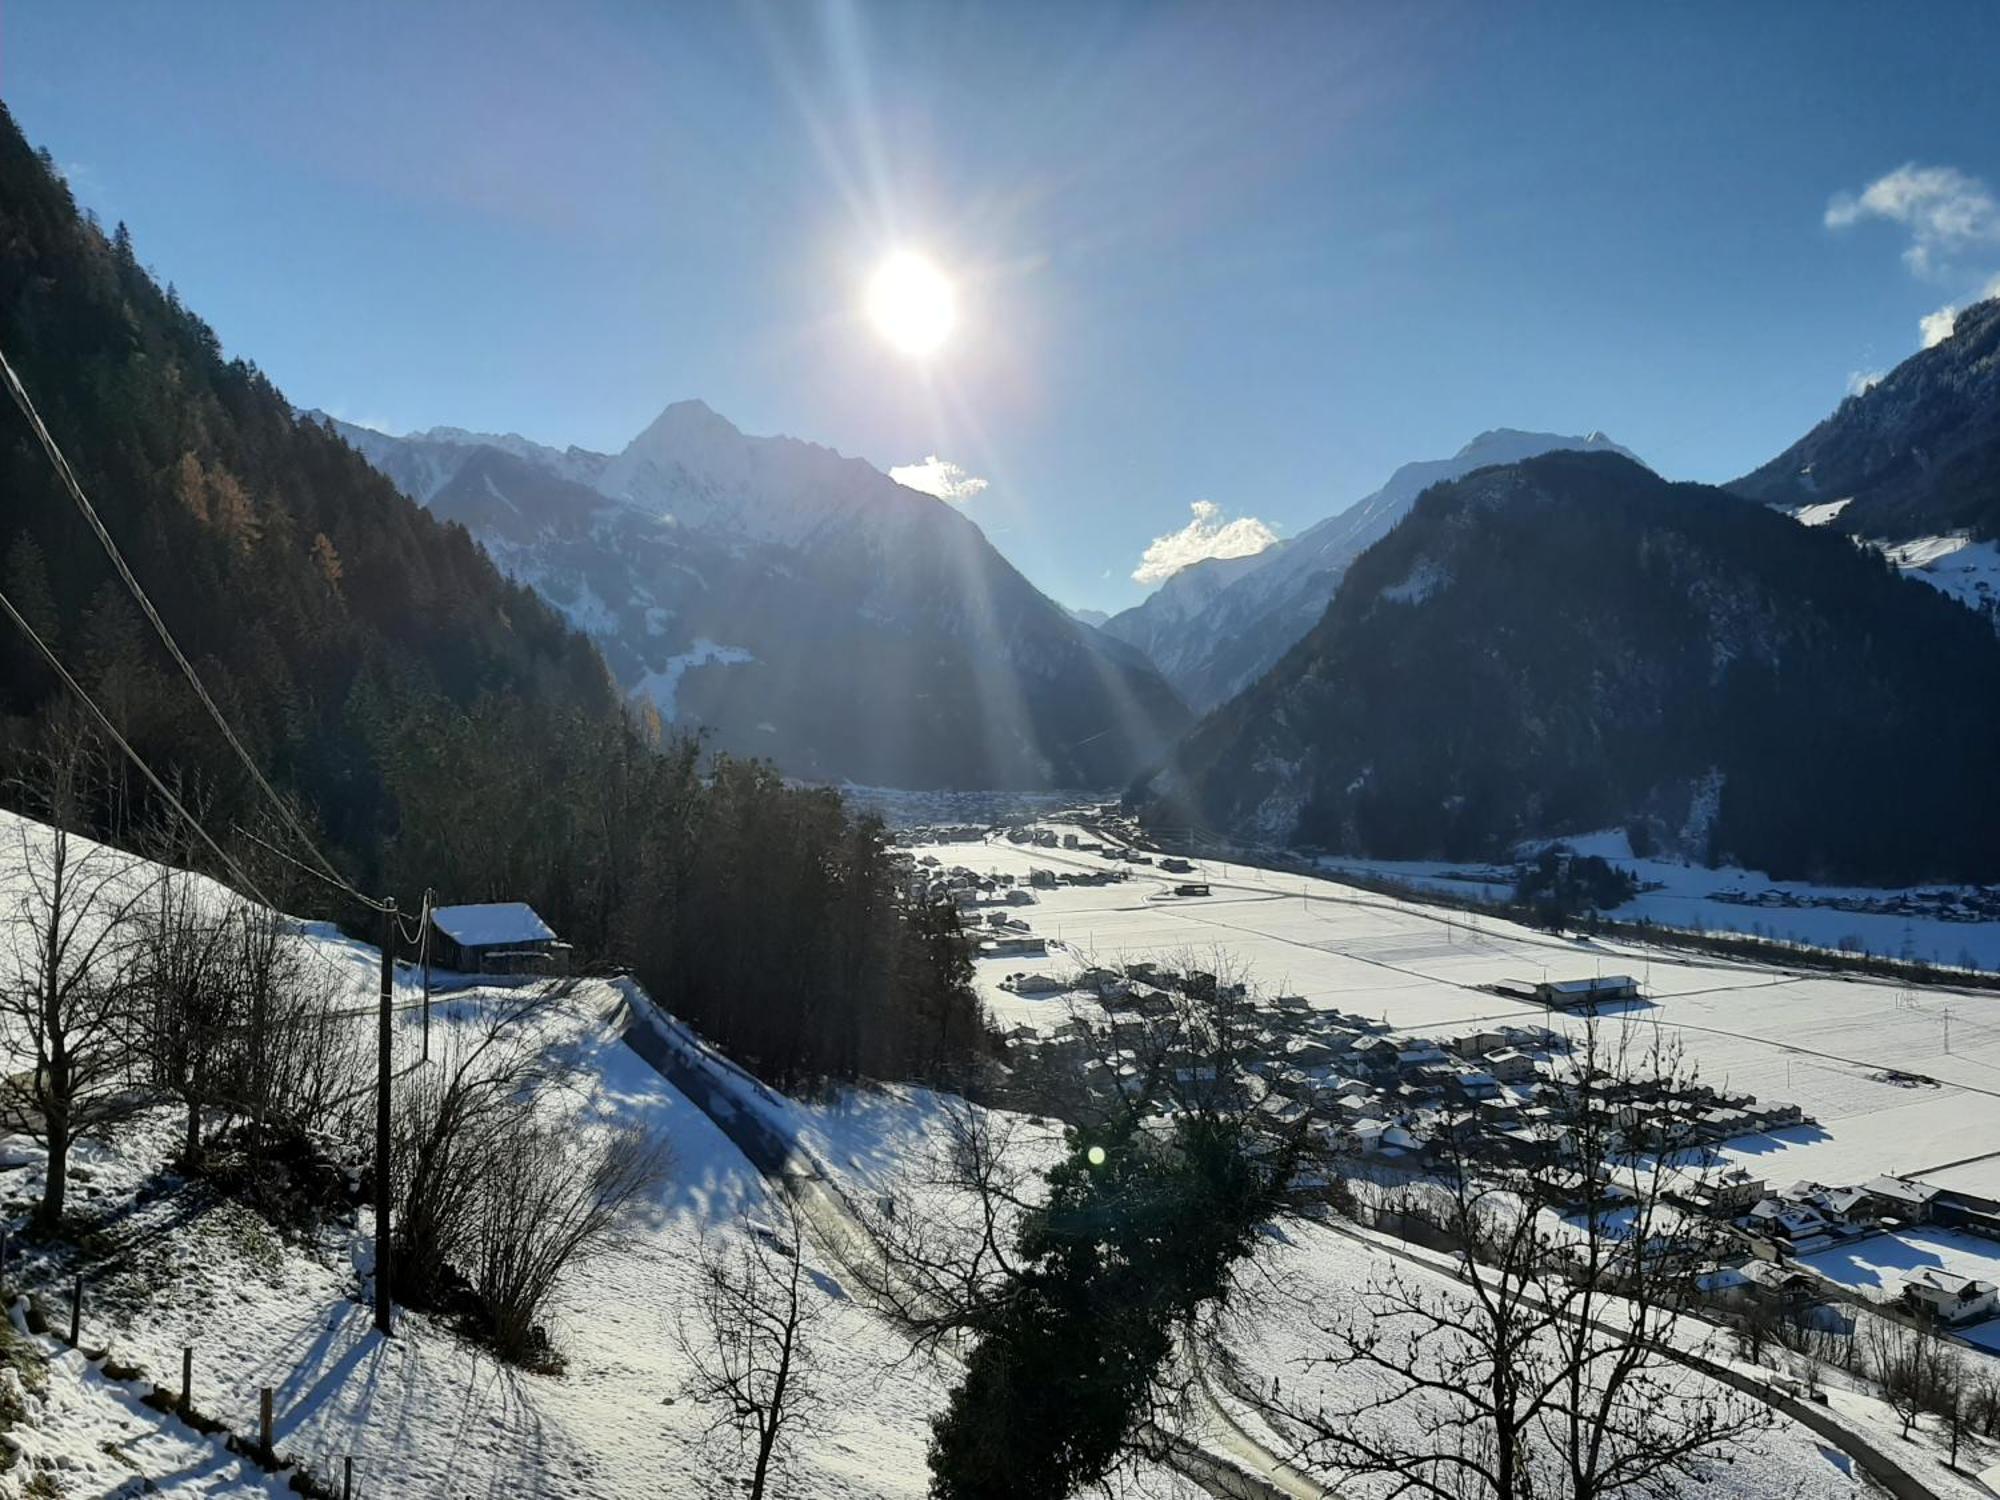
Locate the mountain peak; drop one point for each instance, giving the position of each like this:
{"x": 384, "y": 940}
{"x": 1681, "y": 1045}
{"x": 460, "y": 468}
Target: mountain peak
{"x": 687, "y": 425}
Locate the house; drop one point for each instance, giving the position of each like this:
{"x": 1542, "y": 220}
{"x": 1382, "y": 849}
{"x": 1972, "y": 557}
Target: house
{"x": 1949, "y": 1299}
{"x": 1511, "y": 1065}
{"x": 1725, "y": 1194}
{"x": 1791, "y": 1224}
{"x": 1472, "y": 1084}
{"x": 1787, "y": 1286}
{"x": 1473, "y": 1043}
{"x": 1581, "y": 994}
{"x": 500, "y": 937}
{"x": 1899, "y": 1198}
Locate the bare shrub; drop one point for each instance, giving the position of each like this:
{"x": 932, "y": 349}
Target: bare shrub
{"x": 546, "y": 1203}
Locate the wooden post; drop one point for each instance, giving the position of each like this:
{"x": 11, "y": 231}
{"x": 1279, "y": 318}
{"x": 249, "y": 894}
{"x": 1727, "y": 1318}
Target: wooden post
{"x": 187, "y": 1378}
{"x": 385, "y": 1321}
{"x": 76, "y": 1313}
{"x": 264, "y": 1421}
{"x": 347, "y": 1478}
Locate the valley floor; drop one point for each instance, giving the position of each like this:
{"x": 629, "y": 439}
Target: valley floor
{"x": 1826, "y": 1042}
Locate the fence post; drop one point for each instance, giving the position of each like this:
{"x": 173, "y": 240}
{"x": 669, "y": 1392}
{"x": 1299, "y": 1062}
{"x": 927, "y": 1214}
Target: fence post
{"x": 347, "y": 1478}
{"x": 264, "y": 1421}
{"x": 187, "y": 1378}
{"x": 76, "y": 1313}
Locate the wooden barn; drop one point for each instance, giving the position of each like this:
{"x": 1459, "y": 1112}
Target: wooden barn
{"x": 500, "y": 937}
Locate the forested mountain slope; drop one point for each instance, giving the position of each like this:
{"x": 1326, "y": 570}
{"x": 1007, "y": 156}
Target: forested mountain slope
{"x": 793, "y": 603}
{"x": 1216, "y": 627}
{"x": 320, "y": 606}
{"x": 1916, "y": 454}
{"x": 1572, "y": 643}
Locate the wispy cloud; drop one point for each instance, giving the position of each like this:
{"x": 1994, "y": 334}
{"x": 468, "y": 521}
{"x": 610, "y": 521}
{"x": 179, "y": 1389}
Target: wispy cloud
{"x": 1948, "y": 213}
{"x": 940, "y": 477}
{"x": 1860, "y": 382}
{"x": 1206, "y": 535}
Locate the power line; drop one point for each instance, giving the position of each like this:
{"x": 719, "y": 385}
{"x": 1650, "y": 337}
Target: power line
{"x": 118, "y": 739}
{"x": 69, "y": 480}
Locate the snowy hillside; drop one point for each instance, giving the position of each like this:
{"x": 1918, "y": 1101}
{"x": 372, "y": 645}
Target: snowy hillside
{"x": 1216, "y": 627}
{"x": 172, "y": 1263}
{"x": 799, "y": 605}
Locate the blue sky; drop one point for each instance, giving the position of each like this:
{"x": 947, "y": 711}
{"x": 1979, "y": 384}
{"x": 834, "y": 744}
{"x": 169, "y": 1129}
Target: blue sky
{"x": 1254, "y": 256}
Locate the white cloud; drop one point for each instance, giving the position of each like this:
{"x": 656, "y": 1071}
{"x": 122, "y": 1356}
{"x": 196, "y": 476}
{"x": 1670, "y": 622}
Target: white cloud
{"x": 1936, "y": 327}
{"x": 1860, "y": 382}
{"x": 940, "y": 477}
{"x": 1947, "y": 212}
{"x": 1207, "y": 535}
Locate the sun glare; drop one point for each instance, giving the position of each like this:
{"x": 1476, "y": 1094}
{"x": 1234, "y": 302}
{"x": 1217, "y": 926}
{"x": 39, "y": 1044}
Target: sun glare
{"x": 912, "y": 304}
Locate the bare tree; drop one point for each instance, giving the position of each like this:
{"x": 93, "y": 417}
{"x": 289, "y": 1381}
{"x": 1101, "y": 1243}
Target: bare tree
{"x": 183, "y": 986}
{"x": 1553, "y": 1364}
{"x": 1916, "y": 1374}
{"x": 63, "y": 985}
{"x": 752, "y": 1348}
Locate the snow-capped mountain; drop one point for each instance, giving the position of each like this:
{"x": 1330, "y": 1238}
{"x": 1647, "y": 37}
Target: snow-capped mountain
{"x": 1570, "y": 644}
{"x": 1911, "y": 465}
{"x": 797, "y": 604}
{"x": 1215, "y": 627}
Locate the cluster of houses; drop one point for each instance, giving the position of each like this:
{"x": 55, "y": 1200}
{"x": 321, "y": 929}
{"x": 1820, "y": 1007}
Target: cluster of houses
{"x": 1501, "y": 1093}
{"x": 1807, "y": 1217}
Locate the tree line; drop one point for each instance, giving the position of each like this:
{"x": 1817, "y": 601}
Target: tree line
{"x": 437, "y": 726}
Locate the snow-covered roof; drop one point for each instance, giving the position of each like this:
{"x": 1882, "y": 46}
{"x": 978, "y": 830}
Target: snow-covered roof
{"x": 1590, "y": 986}
{"x": 485, "y": 925}
{"x": 1965, "y": 1288}
{"x": 1901, "y": 1189}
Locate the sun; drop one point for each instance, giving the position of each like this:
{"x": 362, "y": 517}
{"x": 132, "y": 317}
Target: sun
{"x": 912, "y": 304}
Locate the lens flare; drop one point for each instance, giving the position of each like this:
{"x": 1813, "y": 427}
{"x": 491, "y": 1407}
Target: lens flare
{"x": 912, "y": 304}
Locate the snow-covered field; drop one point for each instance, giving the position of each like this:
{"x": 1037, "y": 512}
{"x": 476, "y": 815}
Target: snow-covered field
{"x": 1823, "y": 1042}
{"x": 1699, "y": 899}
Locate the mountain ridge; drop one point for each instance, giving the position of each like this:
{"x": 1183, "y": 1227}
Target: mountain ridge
{"x": 1571, "y": 643}
{"x": 722, "y": 573}
{"x": 1250, "y": 615}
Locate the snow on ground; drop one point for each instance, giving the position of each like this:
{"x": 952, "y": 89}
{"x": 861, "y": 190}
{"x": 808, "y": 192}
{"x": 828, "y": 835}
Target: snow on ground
{"x": 1825, "y": 1042}
{"x": 1877, "y": 1266}
{"x": 94, "y": 1439}
{"x": 428, "y": 1414}
{"x": 663, "y": 686}
{"x": 1318, "y": 1275}
{"x": 1956, "y": 565}
{"x": 1697, "y": 898}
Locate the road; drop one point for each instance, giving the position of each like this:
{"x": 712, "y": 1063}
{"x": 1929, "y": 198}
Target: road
{"x": 1227, "y": 1461}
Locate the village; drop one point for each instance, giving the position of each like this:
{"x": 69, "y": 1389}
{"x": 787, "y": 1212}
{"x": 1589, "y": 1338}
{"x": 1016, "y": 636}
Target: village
{"x": 1398, "y": 1102}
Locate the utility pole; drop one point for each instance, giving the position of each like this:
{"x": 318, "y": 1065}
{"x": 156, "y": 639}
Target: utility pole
{"x": 424, "y": 952}
{"x": 385, "y": 1321}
